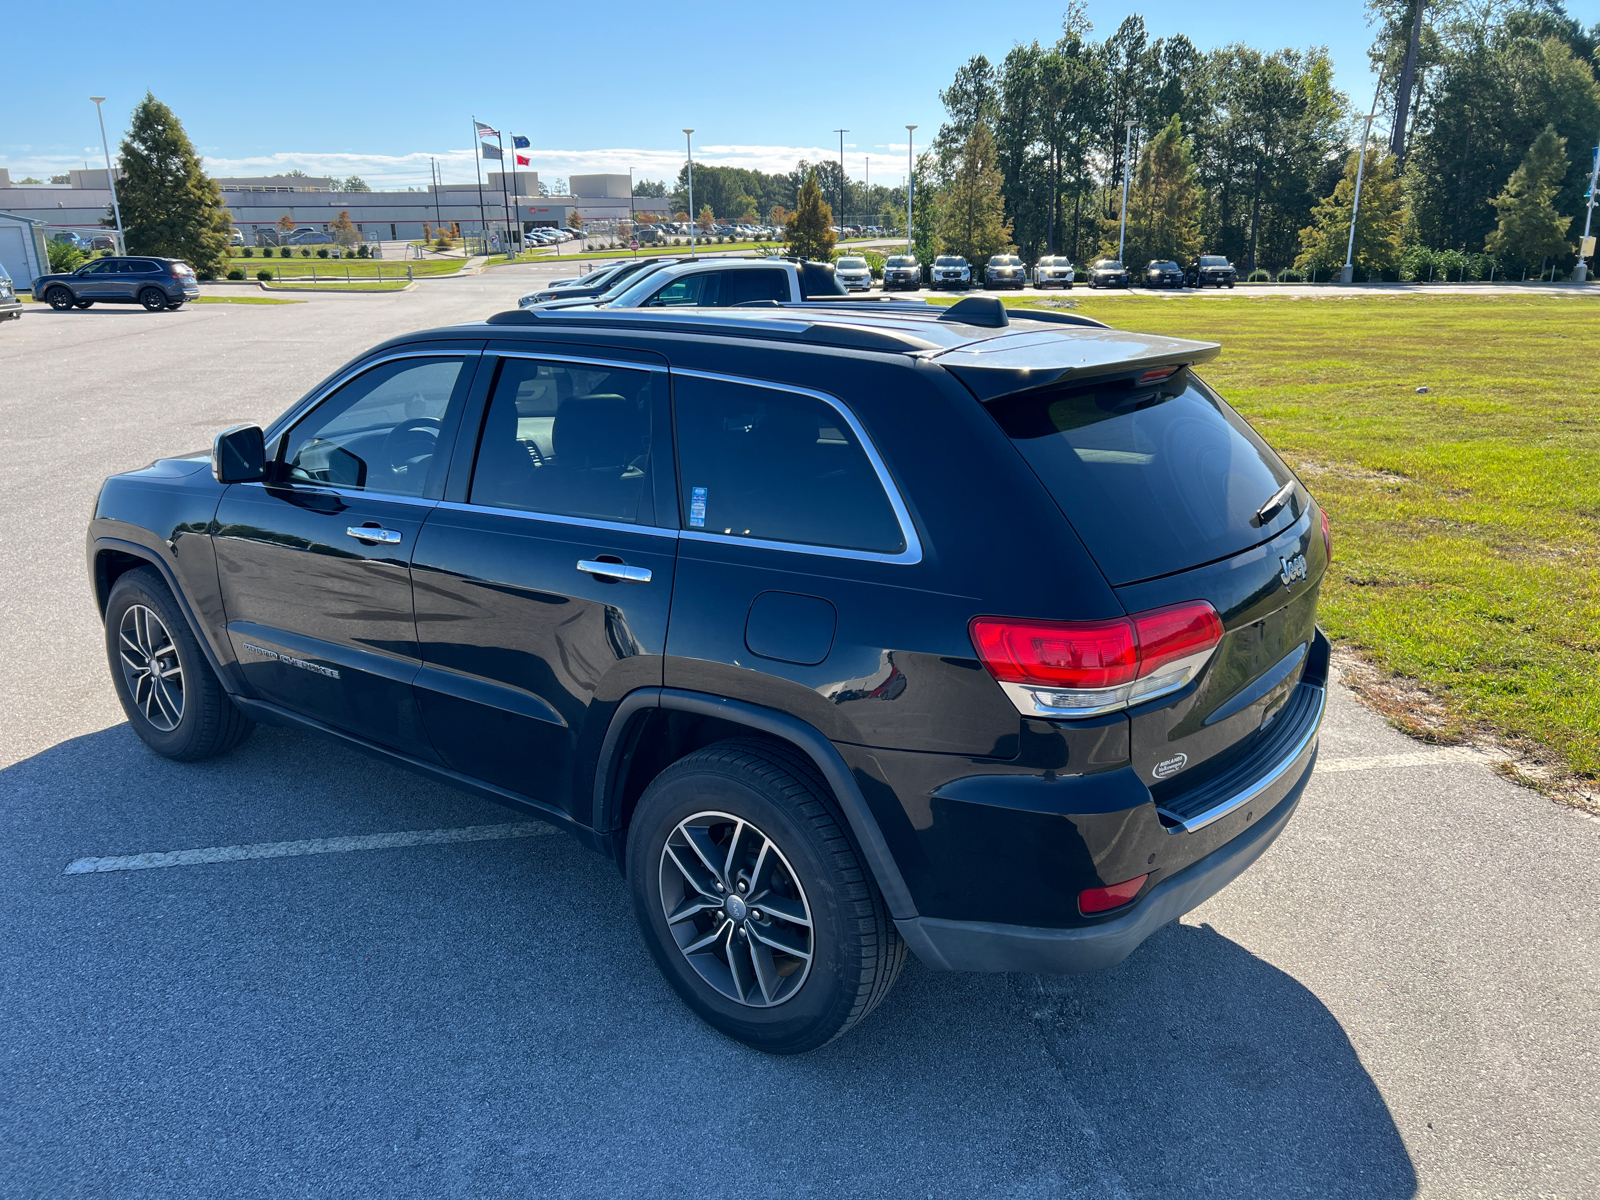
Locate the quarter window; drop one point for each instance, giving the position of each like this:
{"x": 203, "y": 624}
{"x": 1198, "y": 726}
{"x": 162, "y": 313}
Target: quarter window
{"x": 566, "y": 439}
{"x": 760, "y": 463}
{"x": 722, "y": 288}
{"x": 377, "y": 433}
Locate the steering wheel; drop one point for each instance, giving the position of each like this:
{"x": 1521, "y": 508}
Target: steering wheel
{"x": 411, "y": 444}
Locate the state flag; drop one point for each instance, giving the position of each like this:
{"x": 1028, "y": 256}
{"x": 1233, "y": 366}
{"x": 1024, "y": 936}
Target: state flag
{"x": 523, "y": 160}
{"x": 521, "y": 143}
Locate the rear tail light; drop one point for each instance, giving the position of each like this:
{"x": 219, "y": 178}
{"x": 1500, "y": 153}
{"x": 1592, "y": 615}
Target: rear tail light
{"x": 1327, "y": 536}
{"x": 1066, "y": 669}
{"x": 1104, "y": 899}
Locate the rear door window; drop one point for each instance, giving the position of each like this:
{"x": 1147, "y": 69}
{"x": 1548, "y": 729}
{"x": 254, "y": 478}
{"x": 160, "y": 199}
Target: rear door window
{"x": 566, "y": 439}
{"x": 1155, "y": 479}
{"x": 773, "y": 465}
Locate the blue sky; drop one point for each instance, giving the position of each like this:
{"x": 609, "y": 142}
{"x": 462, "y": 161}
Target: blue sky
{"x": 375, "y": 89}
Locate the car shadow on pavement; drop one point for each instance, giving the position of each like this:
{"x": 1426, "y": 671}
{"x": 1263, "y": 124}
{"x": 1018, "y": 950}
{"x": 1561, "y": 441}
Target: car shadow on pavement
{"x": 483, "y": 1017}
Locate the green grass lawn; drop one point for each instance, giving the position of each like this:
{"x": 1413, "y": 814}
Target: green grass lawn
{"x": 360, "y": 268}
{"x": 1466, "y": 520}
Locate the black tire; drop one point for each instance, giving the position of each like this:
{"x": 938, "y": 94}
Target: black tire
{"x": 856, "y": 952}
{"x": 83, "y": 304}
{"x": 60, "y": 299}
{"x": 208, "y": 722}
{"x": 175, "y": 307}
{"x": 153, "y": 299}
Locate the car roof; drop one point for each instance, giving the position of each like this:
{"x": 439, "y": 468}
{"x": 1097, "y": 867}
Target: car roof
{"x": 994, "y": 352}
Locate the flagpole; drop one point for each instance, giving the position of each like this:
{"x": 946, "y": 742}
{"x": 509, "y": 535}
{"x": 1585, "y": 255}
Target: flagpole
{"x": 477, "y": 162}
{"x": 516, "y": 185}
{"x": 501, "y": 142}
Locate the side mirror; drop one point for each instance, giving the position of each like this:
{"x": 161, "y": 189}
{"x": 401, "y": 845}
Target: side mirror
{"x": 239, "y": 455}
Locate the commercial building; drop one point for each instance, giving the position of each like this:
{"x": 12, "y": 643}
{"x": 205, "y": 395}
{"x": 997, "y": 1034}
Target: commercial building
{"x": 22, "y": 249}
{"x": 261, "y": 203}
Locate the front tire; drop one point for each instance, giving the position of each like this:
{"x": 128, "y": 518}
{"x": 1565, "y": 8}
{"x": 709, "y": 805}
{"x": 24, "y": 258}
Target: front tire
{"x": 153, "y": 300}
{"x": 83, "y": 304}
{"x": 753, "y": 900}
{"x": 168, "y": 690}
{"x": 60, "y": 299}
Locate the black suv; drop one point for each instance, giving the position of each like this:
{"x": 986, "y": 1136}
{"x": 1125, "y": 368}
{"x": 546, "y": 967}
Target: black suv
{"x": 842, "y": 629}
{"x": 156, "y": 283}
{"x": 1212, "y": 270}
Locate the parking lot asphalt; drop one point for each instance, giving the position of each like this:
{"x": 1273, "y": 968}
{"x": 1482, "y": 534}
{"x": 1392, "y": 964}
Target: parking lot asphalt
{"x": 1399, "y": 1000}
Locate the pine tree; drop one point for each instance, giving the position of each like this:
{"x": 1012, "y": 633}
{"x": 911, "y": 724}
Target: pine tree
{"x": 170, "y": 207}
{"x": 1163, "y": 203}
{"x": 924, "y": 212}
{"x": 1530, "y": 229}
{"x": 810, "y": 227}
{"x": 972, "y": 222}
{"x": 1324, "y": 242}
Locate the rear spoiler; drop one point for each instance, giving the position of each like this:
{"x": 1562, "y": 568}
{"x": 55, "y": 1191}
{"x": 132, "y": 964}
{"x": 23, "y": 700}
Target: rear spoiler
{"x": 1029, "y": 361}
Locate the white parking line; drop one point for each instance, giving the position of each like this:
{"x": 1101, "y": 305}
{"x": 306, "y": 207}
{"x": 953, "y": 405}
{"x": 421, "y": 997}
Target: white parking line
{"x": 1411, "y": 758}
{"x": 338, "y": 845}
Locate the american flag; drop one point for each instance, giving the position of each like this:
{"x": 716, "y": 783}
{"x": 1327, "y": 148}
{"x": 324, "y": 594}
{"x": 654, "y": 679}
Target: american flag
{"x": 485, "y": 131}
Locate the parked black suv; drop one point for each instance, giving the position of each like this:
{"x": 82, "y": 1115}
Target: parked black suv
{"x": 156, "y": 283}
{"x": 843, "y": 629}
{"x": 1212, "y": 270}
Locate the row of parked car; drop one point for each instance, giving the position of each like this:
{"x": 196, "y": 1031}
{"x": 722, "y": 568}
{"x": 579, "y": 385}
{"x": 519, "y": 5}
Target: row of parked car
{"x": 954, "y": 273}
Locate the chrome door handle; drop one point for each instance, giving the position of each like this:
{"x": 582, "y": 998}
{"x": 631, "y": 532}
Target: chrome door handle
{"x": 615, "y": 571}
{"x": 367, "y": 534}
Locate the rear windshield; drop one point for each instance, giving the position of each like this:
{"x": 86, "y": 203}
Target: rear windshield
{"x": 1154, "y": 479}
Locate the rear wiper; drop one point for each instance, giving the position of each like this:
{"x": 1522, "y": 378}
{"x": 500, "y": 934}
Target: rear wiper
{"x": 1275, "y": 504}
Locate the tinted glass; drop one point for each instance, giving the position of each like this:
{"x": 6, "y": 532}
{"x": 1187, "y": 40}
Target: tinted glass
{"x": 760, "y": 463}
{"x": 944, "y": 260}
{"x": 564, "y": 439}
{"x": 1108, "y": 264}
{"x": 1154, "y": 479}
{"x": 1006, "y": 260}
{"x": 901, "y": 260}
{"x": 377, "y": 433}
{"x": 109, "y": 266}
{"x": 852, "y": 263}
{"x": 1213, "y": 260}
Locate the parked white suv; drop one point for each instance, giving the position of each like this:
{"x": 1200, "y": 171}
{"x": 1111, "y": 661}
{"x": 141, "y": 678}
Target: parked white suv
{"x": 854, "y": 274}
{"x": 716, "y": 283}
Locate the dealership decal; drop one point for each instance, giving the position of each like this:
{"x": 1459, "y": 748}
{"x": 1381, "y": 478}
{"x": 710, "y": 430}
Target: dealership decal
{"x": 1169, "y": 767}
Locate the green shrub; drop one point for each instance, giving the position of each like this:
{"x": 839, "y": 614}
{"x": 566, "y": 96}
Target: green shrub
{"x": 264, "y": 275}
{"x": 236, "y": 274}
{"x": 444, "y": 243}
{"x": 1259, "y": 276}
{"x": 205, "y": 274}
{"x": 306, "y": 252}
{"x": 1290, "y": 275}
{"x": 364, "y": 252}
{"x": 63, "y": 257}
{"x": 247, "y": 252}
{"x": 323, "y": 253}
{"x": 875, "y": 262}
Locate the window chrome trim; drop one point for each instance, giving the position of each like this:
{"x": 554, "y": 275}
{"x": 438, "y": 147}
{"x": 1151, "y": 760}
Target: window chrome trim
{"x": 350, "y": 495}
{"x": 293, "y": 417}
{"x": 573, "y": 358}
{"x": 556, "y": 518}
{"x": 910, "y": 556}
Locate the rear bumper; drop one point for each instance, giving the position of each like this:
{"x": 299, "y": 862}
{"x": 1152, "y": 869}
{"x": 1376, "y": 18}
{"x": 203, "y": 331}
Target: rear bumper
{"x": 946, "y": 945}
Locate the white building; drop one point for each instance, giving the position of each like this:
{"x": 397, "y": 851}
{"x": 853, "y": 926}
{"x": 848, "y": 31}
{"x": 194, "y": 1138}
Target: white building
{"x": 262, "y": 202}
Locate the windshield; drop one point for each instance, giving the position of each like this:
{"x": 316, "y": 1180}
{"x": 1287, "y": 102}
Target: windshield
{"x": 1155, "y": 479}
{"x": 1213, "y": 260}
{"x": 1108, "y": 264}
{"x": 901, "y": 260}
{"x": 1055, "y": 262}
{"x": 1005, "y": 260}
{"x": 944, "y": 260}
{"x": 853, "y": 264}
{"x": 1157, "y": 264}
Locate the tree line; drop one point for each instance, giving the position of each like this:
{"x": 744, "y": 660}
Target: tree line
{"x": 1253, "y": 153}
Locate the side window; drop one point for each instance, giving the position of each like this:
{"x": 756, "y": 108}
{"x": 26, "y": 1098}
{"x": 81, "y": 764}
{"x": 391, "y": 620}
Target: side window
{"x": 566, "y": 439}
{"x": 756, "y": 462}
{"x": 744, "y": 287}
{"x": 377, "y": 433}
{"x": 703, "y": 288}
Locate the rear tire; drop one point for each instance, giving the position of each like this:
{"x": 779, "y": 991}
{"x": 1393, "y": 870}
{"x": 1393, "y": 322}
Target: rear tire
{"x": 762, "y": 807}
{"x": 167, "y": 688}
{"x": 60, "y": 299}
{"x": 153, "y": 300}
{"x": 83, "y": 304}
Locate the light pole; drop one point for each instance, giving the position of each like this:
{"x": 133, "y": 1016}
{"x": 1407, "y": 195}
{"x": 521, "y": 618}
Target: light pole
{"x": 1127, "y": 171}
{"x": 911, "y": 182}
{"x": 841, "y": 133}
{"x": 122, "y": 242}
{"x": 687, "y": 136}
{"x": 1348, "y": 273}
{"x": 1580, "y": 273}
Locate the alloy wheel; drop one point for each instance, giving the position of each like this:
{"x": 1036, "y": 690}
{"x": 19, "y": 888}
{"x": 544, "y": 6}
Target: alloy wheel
{"x": 736, "y": 909}
{"x": 150, "y": 666}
